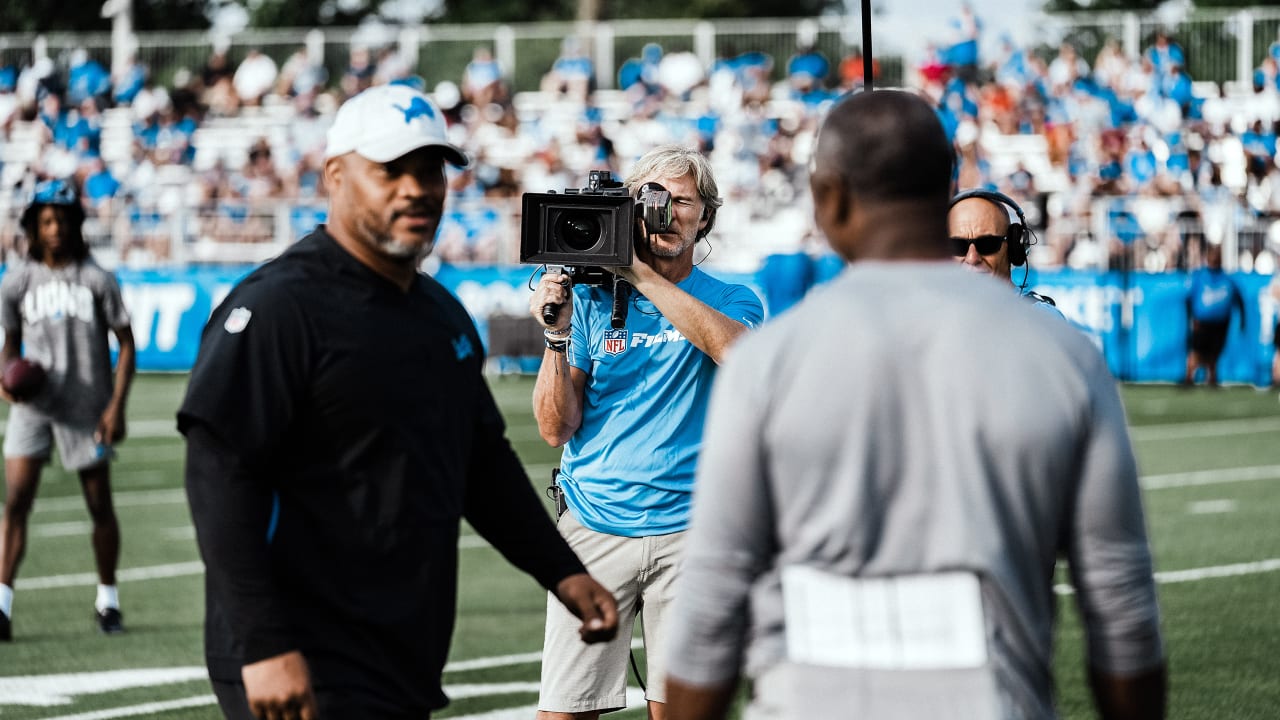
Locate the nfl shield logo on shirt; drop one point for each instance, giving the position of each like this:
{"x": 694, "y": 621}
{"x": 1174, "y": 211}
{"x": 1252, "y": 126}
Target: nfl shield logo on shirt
{"x": 615, "y": 341}
{"x": 237, "y": 320}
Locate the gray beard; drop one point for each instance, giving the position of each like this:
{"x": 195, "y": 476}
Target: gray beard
{"x": 401, "y": 252}
{"x": 664, "y": 252}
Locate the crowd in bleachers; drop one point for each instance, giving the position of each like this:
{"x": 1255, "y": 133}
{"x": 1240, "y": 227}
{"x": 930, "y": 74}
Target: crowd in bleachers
{"x": 1119, "y": 161}
{"x": 1137, "y": 164}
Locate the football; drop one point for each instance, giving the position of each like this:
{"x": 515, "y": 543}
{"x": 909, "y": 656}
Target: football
{"x": 22, "y": 378}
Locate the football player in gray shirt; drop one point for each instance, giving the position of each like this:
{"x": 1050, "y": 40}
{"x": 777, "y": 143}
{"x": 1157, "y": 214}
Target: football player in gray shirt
{"x": 875, "y": 531}
{"x": 57, "y": 307}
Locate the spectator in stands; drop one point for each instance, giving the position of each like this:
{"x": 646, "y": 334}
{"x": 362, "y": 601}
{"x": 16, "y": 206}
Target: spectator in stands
{"x": 1266, "y": 77}
{"x": 932, "y": 71}
{"x": 547, "y": 171}
{"x": 1140, "y": 168}
{"x": 1211, "y": 298}
{"x": 1010, "y": 67}
{"x": 255, "y": 76}
{"x": 638, "y": 77}
{"x": 392, "y": 66}
{"x": 853, "y": 70}
{"x": 807, "y": 72}
{"x": 100, "y": 186}
{"x": 358, "y": 76}
{"x": 307, "y": 180}
{"x": 1110, "y": 65}
{"x": 1177, "y": 87}
{"x": 129, "y": 82}
{"x": 1273, "y": 289}
{"x": 679, "y": 73}
{"x": 973, "y": 169}
{"x": 482, "y": 79}
{"x": 1259, "y": 145}
{"x": 963, "y": 56}
{"x": 58, "y": 308}
{"x": 57, "y": 155}
{"x": 165, "y": 136}
{"x": 1066, "y": 68}
{"x": 86, "y": 78}
{"x": 217, "y": 90}
{"x": 642, "y": 69}
{"x": 9, "y": 104}
{"x": 258, "y": 181}
{"x": 1164, "y": 54}
{"x": 573, "y": 73}
{"x": 754, "y": 70}
{"x": 36, "y": 79}
{"x": 301, "y": 74}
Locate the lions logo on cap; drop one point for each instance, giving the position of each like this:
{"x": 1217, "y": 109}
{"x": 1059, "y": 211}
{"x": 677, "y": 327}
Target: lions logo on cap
{"x": 418, "y": 107}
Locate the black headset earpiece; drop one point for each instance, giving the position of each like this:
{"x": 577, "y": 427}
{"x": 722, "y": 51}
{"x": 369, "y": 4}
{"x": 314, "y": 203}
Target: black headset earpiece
{"x": 1017, "y": 236}
{"x": 709, "y": 217}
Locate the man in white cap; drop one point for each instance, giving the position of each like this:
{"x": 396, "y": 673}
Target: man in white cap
{"x": 338, "y": 429}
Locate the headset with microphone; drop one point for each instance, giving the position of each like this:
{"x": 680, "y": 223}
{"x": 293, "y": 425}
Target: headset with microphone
{"x": 1017, "y": 238}
{"x": 1018, "y": 234}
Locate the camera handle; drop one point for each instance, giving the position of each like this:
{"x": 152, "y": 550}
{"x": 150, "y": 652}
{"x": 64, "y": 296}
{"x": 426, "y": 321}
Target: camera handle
{"x": 551, "y": 310}
{"x": 621, "y": 293}
{"x": 549, "y": 313}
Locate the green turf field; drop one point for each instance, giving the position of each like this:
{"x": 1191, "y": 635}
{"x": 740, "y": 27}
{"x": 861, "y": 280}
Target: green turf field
{"x": 1211, "y": 471}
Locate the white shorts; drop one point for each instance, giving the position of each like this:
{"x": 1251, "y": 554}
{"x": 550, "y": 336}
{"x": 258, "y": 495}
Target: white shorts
{"x": 31, "y": 433}
{"x": 641, "y": 574}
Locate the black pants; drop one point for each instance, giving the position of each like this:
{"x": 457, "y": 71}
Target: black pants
{"x": 235, "y": 705}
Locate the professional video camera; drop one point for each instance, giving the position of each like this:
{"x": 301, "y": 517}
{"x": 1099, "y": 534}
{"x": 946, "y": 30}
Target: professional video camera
{"x": 585, "y": 230}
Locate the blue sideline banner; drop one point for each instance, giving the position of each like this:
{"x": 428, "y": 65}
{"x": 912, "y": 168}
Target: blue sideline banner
{"x": 1138, "y": 320}
{"x": 169, "y": 307}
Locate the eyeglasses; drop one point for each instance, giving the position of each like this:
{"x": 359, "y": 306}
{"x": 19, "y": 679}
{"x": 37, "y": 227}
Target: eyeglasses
{"x": 986, "y": 244}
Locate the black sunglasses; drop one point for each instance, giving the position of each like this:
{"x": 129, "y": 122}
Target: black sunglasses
{"x": 986, "y": 244}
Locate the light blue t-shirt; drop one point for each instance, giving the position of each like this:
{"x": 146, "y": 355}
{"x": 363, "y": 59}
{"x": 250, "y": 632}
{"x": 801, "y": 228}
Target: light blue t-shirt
{"x": 629, "y": 468}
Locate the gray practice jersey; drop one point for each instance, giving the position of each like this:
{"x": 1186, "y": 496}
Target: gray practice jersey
{"x": 913, "y": 420}
{"x": 64, "y": 314}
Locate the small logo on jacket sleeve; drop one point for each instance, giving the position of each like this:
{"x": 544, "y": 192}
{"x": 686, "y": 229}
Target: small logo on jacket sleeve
{"x": 237, "y": 320}
{"x": 462, "y": 347}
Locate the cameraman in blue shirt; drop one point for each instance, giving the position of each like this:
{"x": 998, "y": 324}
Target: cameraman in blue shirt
{"x": 628, "y": 406}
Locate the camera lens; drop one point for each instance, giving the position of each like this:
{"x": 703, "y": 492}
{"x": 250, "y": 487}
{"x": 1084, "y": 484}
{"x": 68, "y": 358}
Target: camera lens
{"x": 577, "y": 230}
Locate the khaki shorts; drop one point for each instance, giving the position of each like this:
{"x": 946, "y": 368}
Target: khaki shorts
{"x": 641, "y": 574}
{"x": 31, "y": 433}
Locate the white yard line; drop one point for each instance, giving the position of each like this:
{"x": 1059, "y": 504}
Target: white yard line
{"x": 144, "y": 709}
{"x": 635, "y": 698}
{"x": 61, "y": 529}
{"x": 141, "y": 429}
{"x": 125, "y": 498}
{"x": 1168, "y": 577}
{"x": 1210, "y": 477}
{"x": 1209, "y": 428}
{"x": 150, "y": 572}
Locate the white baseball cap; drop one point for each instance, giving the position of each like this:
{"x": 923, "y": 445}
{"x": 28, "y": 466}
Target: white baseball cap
{"x": 388, "y": 121}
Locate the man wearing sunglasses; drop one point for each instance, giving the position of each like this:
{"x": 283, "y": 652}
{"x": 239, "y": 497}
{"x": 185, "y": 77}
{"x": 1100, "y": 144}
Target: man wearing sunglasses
{"x": 988, "y": 235}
